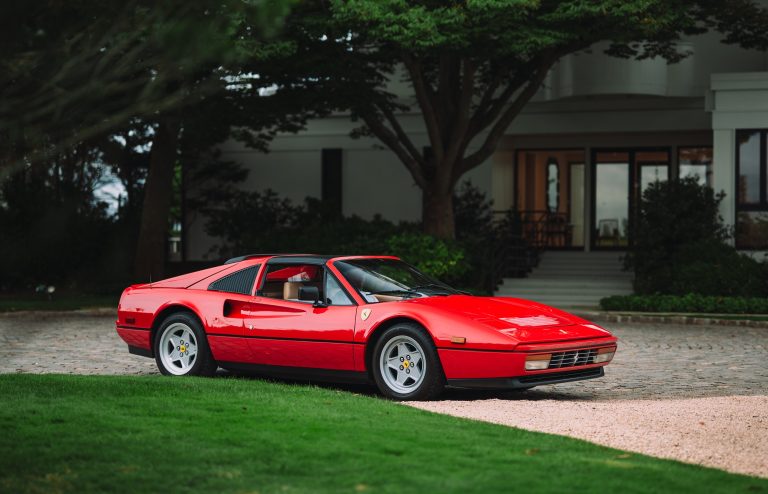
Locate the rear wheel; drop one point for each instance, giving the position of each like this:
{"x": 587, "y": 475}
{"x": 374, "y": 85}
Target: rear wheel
{"x": 406, "y": 365}
{"x": 181, "y": 348}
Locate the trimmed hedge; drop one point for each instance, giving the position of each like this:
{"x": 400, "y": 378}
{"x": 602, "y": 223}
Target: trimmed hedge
{"x": 686, "y": 303}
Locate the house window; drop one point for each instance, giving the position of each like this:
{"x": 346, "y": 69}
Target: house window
{"x": 751, "y": 189}
{"x": 331, "y": 181}
{"x": 695, "y": 162}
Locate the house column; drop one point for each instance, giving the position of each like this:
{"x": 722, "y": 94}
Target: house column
{"x": 724, "y": 172}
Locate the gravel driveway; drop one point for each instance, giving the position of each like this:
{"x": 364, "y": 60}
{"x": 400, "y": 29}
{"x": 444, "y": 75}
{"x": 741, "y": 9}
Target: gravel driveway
{"x": 693, "y": 393}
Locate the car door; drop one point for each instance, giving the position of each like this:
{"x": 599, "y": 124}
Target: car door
{"x": 284, "y": 331}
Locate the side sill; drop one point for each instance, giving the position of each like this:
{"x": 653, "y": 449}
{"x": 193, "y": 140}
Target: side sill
{"x": 300, "y": 373}
{"x": 142, "y": 352}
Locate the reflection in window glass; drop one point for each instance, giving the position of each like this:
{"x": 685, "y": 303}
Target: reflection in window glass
{"x": 334, "y": 293}
{"x": 611, "y": 204}
{"x": 652, "y": 173}
{"x": 553, "y": 185}
{"x": 697, "y": 171}
{"x": 695, "y": 162}
{"x": 752, "y": 230}
{"x": 749, "y": 168}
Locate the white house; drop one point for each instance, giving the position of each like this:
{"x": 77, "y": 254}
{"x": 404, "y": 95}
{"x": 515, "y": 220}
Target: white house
{"x": 599, "y": 130}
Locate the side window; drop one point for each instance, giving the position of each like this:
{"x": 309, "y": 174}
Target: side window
{"x": 334, "y": 293}
{"x": 238, "y": 282}
{"x": 282, "y": 281}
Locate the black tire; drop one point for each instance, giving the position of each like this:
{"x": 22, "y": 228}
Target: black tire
{"x": 433, "y": 381}
{"x": 204, "y": 364}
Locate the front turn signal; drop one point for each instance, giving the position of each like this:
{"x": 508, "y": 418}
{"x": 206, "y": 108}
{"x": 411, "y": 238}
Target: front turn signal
{"x": 537, "y": 362}
{"x": 605, "y": 355}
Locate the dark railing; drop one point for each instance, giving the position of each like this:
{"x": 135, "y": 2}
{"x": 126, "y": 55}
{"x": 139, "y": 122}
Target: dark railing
{"x": 522, "y": 236}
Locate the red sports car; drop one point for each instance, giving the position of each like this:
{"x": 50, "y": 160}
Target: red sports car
{"x": 358, "y": 318}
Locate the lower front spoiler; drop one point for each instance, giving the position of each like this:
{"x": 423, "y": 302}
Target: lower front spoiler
{"x": 529, "y": 381}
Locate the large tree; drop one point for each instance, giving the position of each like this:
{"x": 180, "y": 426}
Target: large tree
{"x": 74, "y": 71}
{"x": 474, "y": 64}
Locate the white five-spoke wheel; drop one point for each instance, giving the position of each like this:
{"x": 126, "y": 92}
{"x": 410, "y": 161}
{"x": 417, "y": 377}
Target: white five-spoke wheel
{"x": 402, "y": 364}
{"x": 178, "y": 348}
{"x": 405, "y": 364}
{"x": 181, "y": 347}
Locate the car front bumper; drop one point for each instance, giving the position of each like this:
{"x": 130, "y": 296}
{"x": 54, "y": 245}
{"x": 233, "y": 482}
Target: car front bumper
{"x": 528, "y": 381}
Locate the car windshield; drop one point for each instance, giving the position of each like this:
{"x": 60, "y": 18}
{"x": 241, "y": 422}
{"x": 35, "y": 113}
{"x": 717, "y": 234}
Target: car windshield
{"x": 383, "y": 280}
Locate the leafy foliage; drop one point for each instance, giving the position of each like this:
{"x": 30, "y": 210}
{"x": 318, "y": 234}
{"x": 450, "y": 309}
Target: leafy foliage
{"x": 435, "y": 257}
{"x": 474, "y": 65}
{"x": 53, "y": 228}
{"x": 690, "y": 302}
{"x": 264, "y": 222}
{"x": 680, "y": 245}
{"x": 72, "y": 71}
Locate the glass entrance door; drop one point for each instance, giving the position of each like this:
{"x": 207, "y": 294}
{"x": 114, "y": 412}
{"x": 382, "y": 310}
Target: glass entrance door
{"x": 620, "y": 178}
{"x": 550, "y": 197}
{"x": 611, "y": 196}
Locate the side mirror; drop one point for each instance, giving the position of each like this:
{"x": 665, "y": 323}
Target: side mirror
{"x": 311, "y": 294}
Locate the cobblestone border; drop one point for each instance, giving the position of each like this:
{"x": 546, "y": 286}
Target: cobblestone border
{"x": 669, "y": 319}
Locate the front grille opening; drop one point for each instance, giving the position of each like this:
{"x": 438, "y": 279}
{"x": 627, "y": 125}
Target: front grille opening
{"x": 572, "y": 358}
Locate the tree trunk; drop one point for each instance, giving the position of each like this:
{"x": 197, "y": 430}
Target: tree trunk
{"x": 437, "y": 212}
{"x": 153, "y": 231}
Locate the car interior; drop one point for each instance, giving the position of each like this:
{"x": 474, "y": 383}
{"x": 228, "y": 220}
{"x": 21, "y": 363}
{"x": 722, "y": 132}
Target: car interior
{"x": 283, "y": 281}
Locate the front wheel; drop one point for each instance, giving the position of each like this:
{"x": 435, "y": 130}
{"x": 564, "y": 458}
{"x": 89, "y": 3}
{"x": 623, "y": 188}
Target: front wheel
{"x": 181, "y": 348}
{"x": 406, "y": 365}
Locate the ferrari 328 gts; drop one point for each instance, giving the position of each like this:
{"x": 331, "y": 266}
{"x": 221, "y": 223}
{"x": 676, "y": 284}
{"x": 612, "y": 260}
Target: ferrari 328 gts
{"x": 355, "y": 318}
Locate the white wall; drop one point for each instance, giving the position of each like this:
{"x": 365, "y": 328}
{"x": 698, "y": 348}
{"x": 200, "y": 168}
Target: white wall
{"x": 376, "y": 182}
{"x": 738, "y": 101}
{"x": 588, "y": 100}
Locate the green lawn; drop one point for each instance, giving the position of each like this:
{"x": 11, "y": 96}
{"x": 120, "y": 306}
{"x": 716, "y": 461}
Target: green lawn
{"x": 156, "y": 434}
{"x": 61, "y": 301}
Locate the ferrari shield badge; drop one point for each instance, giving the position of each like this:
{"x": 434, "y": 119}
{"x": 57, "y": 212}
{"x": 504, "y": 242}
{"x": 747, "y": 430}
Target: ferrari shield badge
{"x": 365, "y": 313}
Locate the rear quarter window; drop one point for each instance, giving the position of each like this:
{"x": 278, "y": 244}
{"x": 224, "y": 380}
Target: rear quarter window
{"x": 238, "y": 282}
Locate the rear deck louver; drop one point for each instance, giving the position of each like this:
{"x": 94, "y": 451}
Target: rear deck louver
{"x": 239, "y": 282}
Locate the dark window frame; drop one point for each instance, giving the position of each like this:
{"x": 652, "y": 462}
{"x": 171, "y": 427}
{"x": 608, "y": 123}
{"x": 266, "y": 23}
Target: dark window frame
{"x": 631, "y": 191}
{"x": 287, "y": 262}
{"x": 762, "y": 205}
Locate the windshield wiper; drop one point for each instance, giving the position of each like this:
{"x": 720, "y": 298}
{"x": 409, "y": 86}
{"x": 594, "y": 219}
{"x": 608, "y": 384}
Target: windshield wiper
{"x": 445, "y": 289}
{"x": 412, "y": 293}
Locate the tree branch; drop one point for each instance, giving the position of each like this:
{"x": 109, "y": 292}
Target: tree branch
{"x": 401, "y": 135}
{"x": 461, "y": 119}
{"x": 509, "y": 114}
{"x": 391, "y": 141}
{"x": 425, "y": 102}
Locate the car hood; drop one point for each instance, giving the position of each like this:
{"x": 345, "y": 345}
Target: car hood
{"x": 524, "y": 321}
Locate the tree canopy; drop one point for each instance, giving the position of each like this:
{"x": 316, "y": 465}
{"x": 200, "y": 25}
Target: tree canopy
{"x": 473, "y": 65}
{"x": 73, "y": 70}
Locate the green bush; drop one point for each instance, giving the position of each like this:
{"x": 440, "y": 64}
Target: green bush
{"x": 680, "y": 245}
{"x": 437, "y": 258}
{"x": 686, "y": 303}
{"x": 265, "y": 222}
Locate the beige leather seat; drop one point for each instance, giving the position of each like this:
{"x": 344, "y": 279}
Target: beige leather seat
{"x": 291, "y": 290}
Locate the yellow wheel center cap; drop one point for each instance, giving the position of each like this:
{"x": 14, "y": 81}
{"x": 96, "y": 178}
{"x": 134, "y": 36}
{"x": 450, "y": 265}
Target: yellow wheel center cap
{"x": 182, "y": 348}
{"x": 405, "y": 364}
